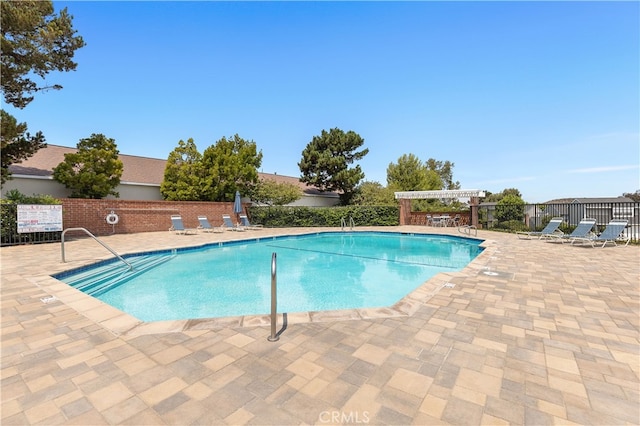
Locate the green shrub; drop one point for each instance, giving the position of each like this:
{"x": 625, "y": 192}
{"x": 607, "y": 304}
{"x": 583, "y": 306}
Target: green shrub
{"x": 286, "y": 216}
{"x": 511, "y": 225}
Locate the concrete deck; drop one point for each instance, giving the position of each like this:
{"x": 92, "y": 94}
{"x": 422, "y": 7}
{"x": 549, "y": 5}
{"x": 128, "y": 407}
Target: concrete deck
{"x": 530, "y": 333}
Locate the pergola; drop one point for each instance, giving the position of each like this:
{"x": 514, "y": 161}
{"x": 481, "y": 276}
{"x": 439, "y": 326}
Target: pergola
{"x": 405, "y": 198}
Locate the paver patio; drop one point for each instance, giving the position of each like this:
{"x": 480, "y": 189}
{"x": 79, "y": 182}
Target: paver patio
{"x": 548, "y": 336}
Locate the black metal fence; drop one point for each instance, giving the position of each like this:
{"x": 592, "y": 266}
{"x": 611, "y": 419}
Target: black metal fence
{"x": 534, "y": 217}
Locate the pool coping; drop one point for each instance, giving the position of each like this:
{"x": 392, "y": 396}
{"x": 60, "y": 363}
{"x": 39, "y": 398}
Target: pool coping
{"x": 122, "y": 324}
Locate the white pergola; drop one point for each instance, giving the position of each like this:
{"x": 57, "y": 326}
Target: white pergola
{"x": 452, "y": 193}
{"x": 405, "y": 204}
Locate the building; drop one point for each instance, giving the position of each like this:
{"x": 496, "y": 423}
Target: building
{"x": 141, "y": 178}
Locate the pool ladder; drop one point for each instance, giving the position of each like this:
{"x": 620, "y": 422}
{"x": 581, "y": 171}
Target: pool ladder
{"x": 95, "y": 238}
{"x": 467, "y": 229}
{"x": 343, "y": 223}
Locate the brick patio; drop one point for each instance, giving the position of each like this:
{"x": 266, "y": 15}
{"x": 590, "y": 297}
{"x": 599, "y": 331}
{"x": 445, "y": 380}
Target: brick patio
{"x": 550, "y": 336}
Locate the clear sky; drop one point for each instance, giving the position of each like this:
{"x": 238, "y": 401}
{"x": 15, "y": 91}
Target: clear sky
{"x": 539, "y": 96}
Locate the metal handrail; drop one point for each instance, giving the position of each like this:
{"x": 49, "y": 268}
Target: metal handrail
{"x": 466, "y": 229}
{"x": 95, "y": 238}
{"x": 343, "y": 223}
{"x": 274, "y": 337}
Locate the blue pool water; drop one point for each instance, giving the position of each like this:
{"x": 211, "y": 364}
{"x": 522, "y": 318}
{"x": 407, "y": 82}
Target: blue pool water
{"x": 323, "y": 271}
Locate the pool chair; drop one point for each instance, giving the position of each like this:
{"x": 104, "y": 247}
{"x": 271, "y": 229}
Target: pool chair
{"x": 205, "y": 226}
{"x": 551, "y": 230}
{"x": 244, "y": 221}
{"x": 583, "y": 230}
{"x": 178, "y": 226}
{"x": 611, "y": 234}
{"x": 227, "y": 223}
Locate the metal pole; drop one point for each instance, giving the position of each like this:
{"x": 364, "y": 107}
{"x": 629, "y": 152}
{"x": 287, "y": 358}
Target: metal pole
{"x": 274, "y": 303}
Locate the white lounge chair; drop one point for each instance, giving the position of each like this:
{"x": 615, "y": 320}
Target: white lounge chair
{"x": 178, "y": 226}
{"x": 583, "y": 230}
{"x": 205, "y": 226}
{"x": 611, "y": 234}
{"x": 551, "y": 230}
{"x": 244, "y": 221}
{"x": 228, "y": 223}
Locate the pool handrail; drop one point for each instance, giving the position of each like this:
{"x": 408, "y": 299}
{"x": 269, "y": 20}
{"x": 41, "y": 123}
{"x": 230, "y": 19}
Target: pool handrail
{"x": 95, "y": 238}
{"x": 466, "y": 229}
{"x": 274, "y": 337}
{"x": 343, "y": 223}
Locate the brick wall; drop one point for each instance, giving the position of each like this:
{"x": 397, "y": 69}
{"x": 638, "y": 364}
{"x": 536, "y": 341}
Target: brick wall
{"x": 138, "y": 216}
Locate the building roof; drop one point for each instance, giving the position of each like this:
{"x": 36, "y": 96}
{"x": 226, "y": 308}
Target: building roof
{"x": 452, "y": 193}
{"x": 136, "y": 170}
{"x": 587, "y": 200}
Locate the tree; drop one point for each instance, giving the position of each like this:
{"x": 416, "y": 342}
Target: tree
{"x": 373, "y": 194}
{"x": 17, "y": 144}
{"x": 183, "y": 173}
{"x": 230, "y": 165}
{"x": 409, "y": 174}
{"x": 93, "y": 171}
{"x": 326, "y": 159}
{"x": 635, "y": 196}
{"x": 445, "y": 171}
{"x": 510, "y": 207}
{"x": 34, "y": 41}
{"x": 273, "y": 193}
{"x": 493, "y": 198}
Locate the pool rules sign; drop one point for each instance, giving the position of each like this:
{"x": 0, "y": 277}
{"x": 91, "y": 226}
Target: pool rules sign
{"x": 39, "y": 218}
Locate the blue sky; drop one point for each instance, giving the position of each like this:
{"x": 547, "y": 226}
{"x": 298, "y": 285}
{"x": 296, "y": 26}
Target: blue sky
{"x": 539, "y": 96}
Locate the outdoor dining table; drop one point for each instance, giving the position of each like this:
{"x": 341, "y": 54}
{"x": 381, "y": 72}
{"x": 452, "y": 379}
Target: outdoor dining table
{"x": 441, "y": 220}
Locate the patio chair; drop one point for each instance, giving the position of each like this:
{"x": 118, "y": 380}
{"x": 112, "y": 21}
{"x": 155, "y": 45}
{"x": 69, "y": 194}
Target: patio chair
{"x": 429, "y": 220}
{"x": 442, "y": 220}
{"x": 230, "y": 225}
{"x": 583, "y": 230}
{"x": 611, "y": 234}
{"x": 205, "y": 226}
{"x": 178, "y": 226}
{"x": 551, "y": 230}
{"x": 244, "y": 221}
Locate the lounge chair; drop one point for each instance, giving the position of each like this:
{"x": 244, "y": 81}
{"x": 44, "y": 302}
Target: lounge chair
{"x": 230, "y": 225}
{"x": 178, "y": 226}
{"x": 583, "y": 230}
{"x": 611, "y": 234}
{"x": 551, "y": 230}
{"x": 244, "y": 221}
{"x": 205, "y": 226}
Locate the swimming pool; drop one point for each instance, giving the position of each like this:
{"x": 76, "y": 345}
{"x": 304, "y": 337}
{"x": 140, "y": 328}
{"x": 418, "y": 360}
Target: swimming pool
{"x": 315, "y": 272}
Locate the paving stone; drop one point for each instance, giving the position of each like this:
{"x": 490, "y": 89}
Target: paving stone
{"x": 553, "y": 338}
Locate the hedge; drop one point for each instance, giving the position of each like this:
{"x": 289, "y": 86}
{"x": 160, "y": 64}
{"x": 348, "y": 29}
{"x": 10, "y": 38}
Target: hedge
{"x": 291, "y": 217}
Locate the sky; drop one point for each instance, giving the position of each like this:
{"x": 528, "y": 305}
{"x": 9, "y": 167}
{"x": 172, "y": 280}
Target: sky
{"x": 539, "y": 96}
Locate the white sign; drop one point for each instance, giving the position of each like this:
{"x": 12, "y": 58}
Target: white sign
{"x": 39, "y": 218}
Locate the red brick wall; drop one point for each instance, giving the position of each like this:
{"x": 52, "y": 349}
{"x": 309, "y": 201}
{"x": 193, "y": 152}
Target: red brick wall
{"x": 138, "y": 216}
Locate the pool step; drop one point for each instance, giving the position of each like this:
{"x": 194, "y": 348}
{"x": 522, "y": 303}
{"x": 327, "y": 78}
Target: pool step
{"x": 103, "y": 271}
{"x": 99, "y": 280}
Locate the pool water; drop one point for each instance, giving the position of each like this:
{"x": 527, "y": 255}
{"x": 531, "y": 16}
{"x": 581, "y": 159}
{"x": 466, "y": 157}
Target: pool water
{"x": 323, "y": 271}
